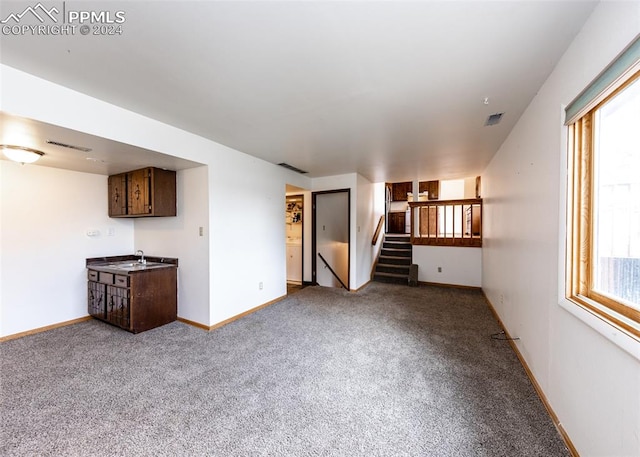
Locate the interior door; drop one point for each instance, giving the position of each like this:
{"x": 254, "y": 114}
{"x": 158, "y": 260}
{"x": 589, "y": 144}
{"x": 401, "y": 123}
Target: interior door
{"x": 331, "y": 237}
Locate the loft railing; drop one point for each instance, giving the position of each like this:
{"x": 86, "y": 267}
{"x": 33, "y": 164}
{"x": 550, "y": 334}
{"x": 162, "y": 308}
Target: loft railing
{"x": 447, "y": 222}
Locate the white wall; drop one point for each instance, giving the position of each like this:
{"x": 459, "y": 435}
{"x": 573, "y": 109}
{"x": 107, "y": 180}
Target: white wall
{"x": 591, "y": 382}
{"x": 45, "y": 215}
{"x": 368, "y": 211}
{"x": 452, "y": 189}
{"x": 180, "y": 237}
{"x": 379, "y": 197}
{"x": 247, "y": 233}
{"x": 461, "y": 266}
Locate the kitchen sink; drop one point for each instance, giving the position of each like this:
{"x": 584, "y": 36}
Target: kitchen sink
{"x": 134, "y": 265}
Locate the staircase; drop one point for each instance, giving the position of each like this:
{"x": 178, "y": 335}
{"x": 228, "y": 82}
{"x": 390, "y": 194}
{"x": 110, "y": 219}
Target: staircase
{"x": 394, "y": 260}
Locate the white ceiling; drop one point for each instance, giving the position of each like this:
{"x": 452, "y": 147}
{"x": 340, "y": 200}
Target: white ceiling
{"x": 391, "y": 90}
{"x": 106, "y": 157}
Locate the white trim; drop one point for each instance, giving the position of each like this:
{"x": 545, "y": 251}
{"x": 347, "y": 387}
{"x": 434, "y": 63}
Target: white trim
{"x": 605, "y": 328}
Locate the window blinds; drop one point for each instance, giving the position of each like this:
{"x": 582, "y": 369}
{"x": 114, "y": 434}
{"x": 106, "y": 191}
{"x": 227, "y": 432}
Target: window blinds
{"x": 626, "y": 64}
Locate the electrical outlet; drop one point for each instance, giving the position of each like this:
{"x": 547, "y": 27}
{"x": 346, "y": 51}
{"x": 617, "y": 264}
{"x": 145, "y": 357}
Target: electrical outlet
{"x": 501, "y": 299}
{"x": 201, "y": 231}
{"x": 260, "y": 285}
{"x": 439, "y": 269}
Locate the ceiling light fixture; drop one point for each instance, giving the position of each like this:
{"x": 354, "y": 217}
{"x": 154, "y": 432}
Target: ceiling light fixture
{"x": 20, "y": 153}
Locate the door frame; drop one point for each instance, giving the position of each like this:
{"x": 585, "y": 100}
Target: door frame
{"x": 314, "y": 253}
{"x": 301, "y": 238}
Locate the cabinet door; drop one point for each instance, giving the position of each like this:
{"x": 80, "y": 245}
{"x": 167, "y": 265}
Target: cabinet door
{"x": 396, "y": 223}
{"x": 162, "y": 201}
{"x": 434, "y": 190}
{"x": 139, "y": 192}
{"x": 118, "y": 309}
{"x": 294, "y": 263}
{"x": 96, "y": 299}
{"x": 118, "y": 195}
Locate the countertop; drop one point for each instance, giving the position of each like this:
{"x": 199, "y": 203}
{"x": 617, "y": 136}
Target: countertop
{"x": 127, "y": 264}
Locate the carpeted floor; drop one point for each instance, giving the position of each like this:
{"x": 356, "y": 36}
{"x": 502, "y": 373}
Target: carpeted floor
{"x": 388, "y": 371}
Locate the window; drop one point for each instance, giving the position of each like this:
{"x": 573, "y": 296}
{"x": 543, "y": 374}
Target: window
{"x": 603, "y": 242}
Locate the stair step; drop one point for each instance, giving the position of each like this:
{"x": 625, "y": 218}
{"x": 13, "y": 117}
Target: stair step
{"x": 392, "y": 268}
{"x": 400, "y": 238}
{"x": 395, "y": 260}
{"x": 391, "y": 278}
{"x": 396, "y": 245}
{"x": 395, "y": 252}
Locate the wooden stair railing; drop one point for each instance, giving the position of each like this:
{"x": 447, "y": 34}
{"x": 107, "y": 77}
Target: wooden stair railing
{"x": 376, "y": 234}
{"x": 332, "y": 272}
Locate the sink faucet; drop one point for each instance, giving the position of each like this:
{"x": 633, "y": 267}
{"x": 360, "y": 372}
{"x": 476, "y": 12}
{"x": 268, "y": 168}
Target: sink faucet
{"x": 141, "y": 254}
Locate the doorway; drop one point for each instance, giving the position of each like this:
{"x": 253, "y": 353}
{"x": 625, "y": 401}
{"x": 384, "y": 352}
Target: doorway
{"x": 331, "y": 238}
{"x": 294, "y": 221}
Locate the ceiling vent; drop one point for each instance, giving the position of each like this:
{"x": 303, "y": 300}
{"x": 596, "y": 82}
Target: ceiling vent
{"x": 292, "y": 168}
{"x": 493, "y": 119}
{"x": 69, "y": 146}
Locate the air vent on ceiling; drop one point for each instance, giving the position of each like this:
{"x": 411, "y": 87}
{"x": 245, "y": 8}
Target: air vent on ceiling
{"x": 69, "y": 146}
{"x": 493, "y": 119}
{"x": 292, "y": 168}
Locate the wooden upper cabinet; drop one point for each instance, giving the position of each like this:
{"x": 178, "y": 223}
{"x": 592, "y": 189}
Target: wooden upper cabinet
{"x": 149, "y": 192}
{"x": 431, "y": 187}
{"x": 399, "y": 190}
{"x": 118, "y": 195}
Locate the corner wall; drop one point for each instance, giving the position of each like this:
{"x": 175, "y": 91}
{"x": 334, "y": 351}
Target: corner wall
{"x": 368, "y": 211}
{"x": 180, "y": 237}
{"x": 590, "y": 381}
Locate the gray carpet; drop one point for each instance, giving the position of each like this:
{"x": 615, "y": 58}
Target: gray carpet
{"x": 387, "y": 371}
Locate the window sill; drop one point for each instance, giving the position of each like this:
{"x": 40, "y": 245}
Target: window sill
{"x": 620, "y": 338}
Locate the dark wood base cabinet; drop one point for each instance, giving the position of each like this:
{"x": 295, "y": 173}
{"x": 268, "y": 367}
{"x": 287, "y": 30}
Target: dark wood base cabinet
{"x": 136, "y": 301}
{"x": 397, "y": 222}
